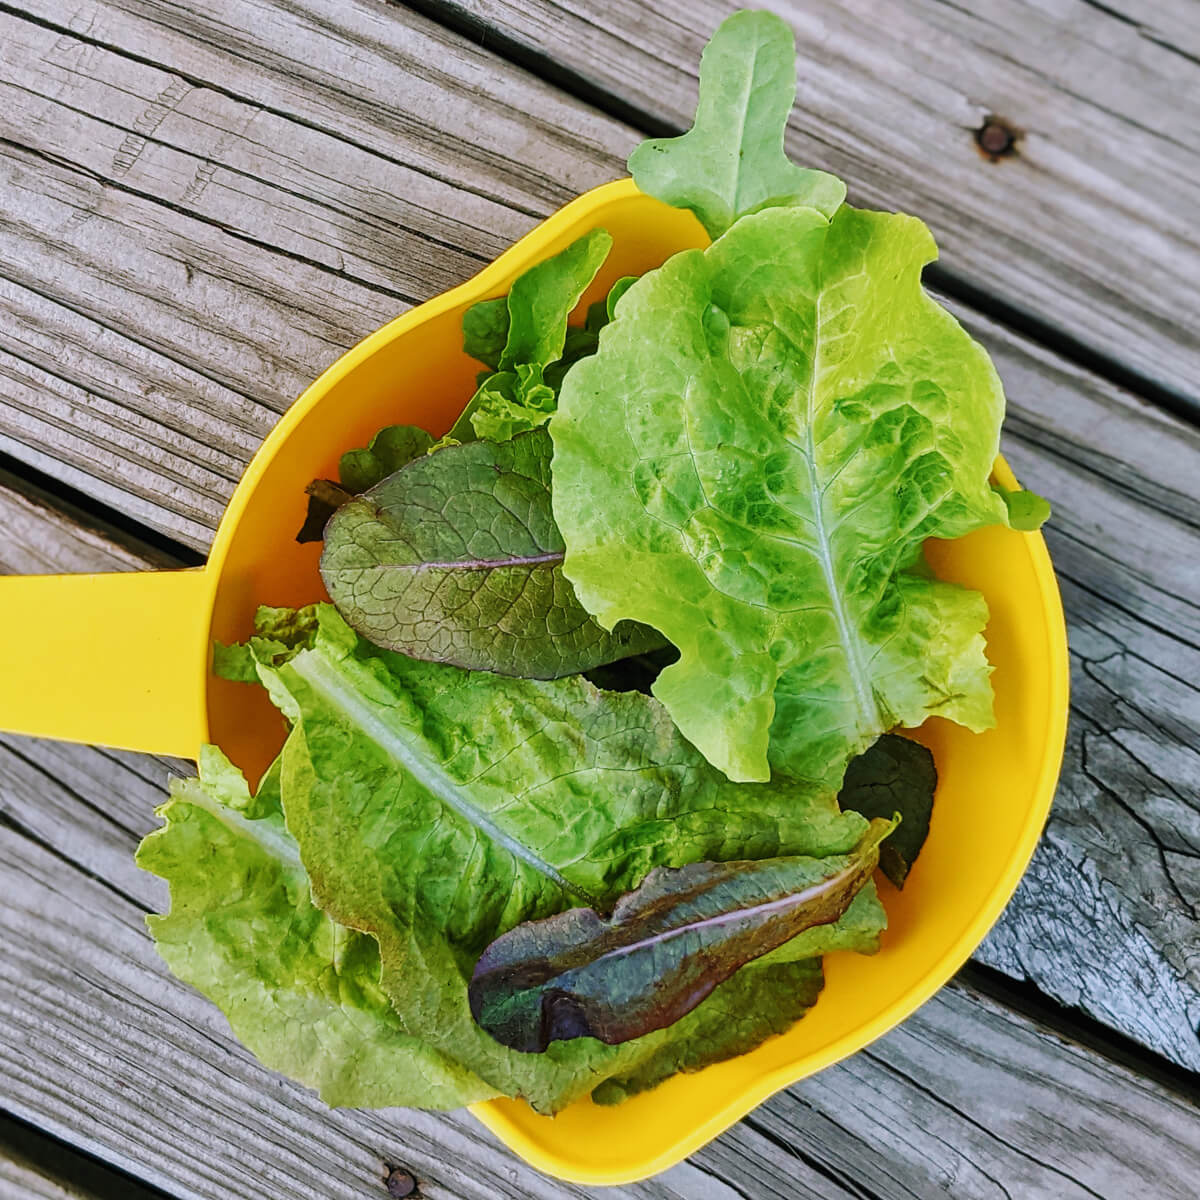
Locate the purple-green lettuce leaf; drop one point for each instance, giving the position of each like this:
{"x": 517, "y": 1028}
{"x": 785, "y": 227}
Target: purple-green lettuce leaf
{"x": 895, "y": 776}
{"x": 456, "y": 558}
{"x": 764, "y": 998}
{"x": 667, "y": 945}
{"x": 751, "y": 463}
{"x": 301, "y": 991}
{"x": 437, "y": 808}
{"x": 732, "y": 161}
{"x": 756, "y": 1003}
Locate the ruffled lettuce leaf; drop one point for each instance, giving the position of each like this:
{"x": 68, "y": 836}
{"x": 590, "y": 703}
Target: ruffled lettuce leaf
{"x": 525, "y": 339}
{"x": 301, "y": 991}
{"x": 763, "y": 999}
{"x": 456, "y": 558}
{"x": 436, "y": 808}
{"x": 751, "y": 464}
{"x": 732, "y": 162}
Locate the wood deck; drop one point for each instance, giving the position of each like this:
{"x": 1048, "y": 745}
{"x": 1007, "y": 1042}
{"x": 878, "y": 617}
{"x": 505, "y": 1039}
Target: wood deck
{"x": 203, "y": 205}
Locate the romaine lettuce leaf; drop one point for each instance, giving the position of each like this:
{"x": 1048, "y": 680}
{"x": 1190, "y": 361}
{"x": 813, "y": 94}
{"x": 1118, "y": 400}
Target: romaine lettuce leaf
{"x": 732, "y": 162}
{"x": 301, "y": 991}
{"x": 437, "y": 808}
{"x": 751, "y": 463}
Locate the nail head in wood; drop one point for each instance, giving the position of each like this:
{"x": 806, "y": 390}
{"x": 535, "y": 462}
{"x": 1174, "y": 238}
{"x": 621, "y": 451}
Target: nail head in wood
{"x": 996, "y": 138}
{"x": 401, "y": 1182}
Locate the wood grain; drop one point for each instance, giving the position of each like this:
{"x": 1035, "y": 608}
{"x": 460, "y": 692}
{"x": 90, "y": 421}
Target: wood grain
{"x": 1086, "y": 230}
{"x": 158, "y": 313}
{"x": 181, "y": 256}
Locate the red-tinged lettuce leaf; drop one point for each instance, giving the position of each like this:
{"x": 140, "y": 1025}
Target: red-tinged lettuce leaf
{"x": 894, "y": 776}
{"x": 763, "y": 999}
{"x": 456, "y": 558}
{"x": 667, "y": 945}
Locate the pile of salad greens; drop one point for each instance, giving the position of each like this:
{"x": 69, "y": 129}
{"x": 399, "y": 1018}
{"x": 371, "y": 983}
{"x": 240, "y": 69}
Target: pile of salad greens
{"x": 589, "y": 760}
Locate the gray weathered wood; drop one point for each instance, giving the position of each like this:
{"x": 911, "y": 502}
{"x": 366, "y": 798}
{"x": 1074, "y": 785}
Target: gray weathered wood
{"x": 165, "y": 305}
{"x": 99, "y": 1044}
{"x": 150, "y": 390}
{"x": 1087, "y": 229}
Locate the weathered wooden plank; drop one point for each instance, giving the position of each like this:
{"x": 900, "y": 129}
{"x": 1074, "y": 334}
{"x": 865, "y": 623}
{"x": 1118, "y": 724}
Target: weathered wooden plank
{"x": 179, "y": 326}
{"x": 1106, "y": 918}
{"x": 1086, "y": 229}
{"x": 113, "y": 366}
{"x": 105, "y": 1048}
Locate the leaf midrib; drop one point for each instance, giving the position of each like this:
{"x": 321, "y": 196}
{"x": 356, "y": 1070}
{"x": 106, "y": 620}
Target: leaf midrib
{"x": 332, "y": 684}
{"x": 474, "y": 564}
{"x": 766, "y": 908}
{"x": 868, "y": 709}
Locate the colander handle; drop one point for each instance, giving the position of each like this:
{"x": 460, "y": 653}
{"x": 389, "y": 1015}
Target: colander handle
{"x": 118, "y": 660}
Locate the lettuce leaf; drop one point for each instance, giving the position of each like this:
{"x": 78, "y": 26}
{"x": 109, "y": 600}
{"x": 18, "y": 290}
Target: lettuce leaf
{"x": 391, "y": 448}
{"x": 301, "y": 991}
{"x": 732, "y": 162}
{"x": 456, "y": 558}
{"x": 668, "y": 944}
{"x": 763, "y": 999}
{"x": 751, "y": 463}
{"x": 524, "y": 337}
{"x": 894, "y": 777}
{"x": 437, "y": 808}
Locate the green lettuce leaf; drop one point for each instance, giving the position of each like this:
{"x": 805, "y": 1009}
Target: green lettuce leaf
{"x": 390, "y": 449}
{"x": 524, "y": 337}
{"x": 301, "y": 991}
{"x": 756, "y": 1003}
{"x": 456, "y": 558}
{"x": 437, "y": 808}
{"x": 732, "y": 162}
{"x": 485, "y": 331}
{"x": 668, "y": 944}
{"x": 359, "y": 470}
{"x": 895, "y": 776}
{"x": 752, "y": 462}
